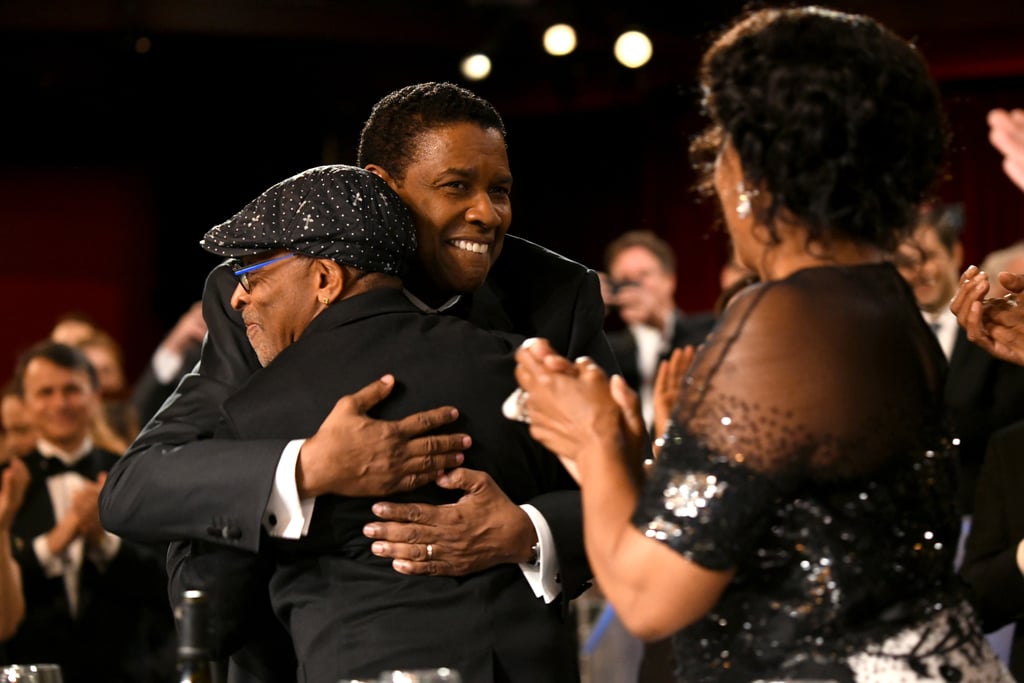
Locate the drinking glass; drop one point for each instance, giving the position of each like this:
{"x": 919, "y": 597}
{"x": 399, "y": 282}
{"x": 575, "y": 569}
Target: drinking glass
{"x": 440, "y": 675}
{"x": 31, "y": 673}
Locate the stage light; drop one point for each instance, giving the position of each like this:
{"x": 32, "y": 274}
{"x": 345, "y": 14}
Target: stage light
{"x": 559, "y": 39}
{"x": 633, "y": 49}
{"x": 476, "y": 67}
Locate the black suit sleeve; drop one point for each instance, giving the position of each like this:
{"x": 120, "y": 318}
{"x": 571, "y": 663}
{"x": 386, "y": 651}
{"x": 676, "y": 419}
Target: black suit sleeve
{"x": 990, "y": 562}
{"x": 176, "y": 481}
{"x": 587, "y": 336}
{"x": 149, "y": 393}
{"x": 563, "y": 509}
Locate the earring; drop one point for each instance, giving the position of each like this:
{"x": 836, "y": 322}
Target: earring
{"x": 325, "y": 300}
{"x": 743, "y": 209}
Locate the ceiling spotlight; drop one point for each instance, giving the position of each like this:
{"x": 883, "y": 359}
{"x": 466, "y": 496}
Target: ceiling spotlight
{"x": 560, "y": 39}
{"x": 476, "y": 67}
{"x": 633, "y": 49}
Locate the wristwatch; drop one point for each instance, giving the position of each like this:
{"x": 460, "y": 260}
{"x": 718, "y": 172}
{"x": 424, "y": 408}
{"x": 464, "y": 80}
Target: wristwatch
{"x": 534, "y": 554}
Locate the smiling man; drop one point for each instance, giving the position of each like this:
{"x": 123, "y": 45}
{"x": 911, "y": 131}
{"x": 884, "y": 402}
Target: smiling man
{"x": 324, "y": 308}
{"x": 94, "y": 604}
{"x": 983, "y": 393}
{"x": 459, "y": 240}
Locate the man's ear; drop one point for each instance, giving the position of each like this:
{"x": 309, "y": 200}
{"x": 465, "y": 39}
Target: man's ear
{"x": 330, "y": 280}
{"x": 383, "y": 175}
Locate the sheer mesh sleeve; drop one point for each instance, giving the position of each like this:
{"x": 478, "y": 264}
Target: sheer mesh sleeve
{"x": 823, "y": 376}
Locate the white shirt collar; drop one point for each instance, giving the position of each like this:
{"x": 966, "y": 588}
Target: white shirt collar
{"x": 50, "y": 450}
{"x": 426, "y": 308}
{"x": 946, "y": 329}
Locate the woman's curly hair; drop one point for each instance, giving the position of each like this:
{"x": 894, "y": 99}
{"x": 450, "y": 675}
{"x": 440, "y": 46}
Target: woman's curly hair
{"x": 832, "y": 113}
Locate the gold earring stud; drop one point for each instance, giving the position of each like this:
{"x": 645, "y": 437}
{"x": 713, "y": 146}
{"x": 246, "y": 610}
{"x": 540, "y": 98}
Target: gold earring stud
{"x": 325, "y": 300}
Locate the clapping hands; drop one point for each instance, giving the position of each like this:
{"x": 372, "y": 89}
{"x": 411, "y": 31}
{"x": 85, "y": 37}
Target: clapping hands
{"x": 576, "y": 411}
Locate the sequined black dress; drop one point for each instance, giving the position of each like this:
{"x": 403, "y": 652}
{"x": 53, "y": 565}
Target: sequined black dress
{"x": 810, "y": 453}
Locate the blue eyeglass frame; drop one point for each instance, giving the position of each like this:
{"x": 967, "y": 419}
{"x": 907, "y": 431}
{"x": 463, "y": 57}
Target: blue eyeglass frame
{"x": 243, "y": 273}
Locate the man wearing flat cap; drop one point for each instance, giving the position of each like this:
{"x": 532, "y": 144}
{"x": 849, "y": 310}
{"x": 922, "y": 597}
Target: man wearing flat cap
{"x": 321, "y": 296}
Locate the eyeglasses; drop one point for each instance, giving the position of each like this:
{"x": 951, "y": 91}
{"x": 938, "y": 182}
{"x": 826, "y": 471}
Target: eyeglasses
{"x": 243, "y": 273}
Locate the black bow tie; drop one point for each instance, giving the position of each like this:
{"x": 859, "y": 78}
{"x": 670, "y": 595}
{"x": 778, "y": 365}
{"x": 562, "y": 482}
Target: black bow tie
{"x": 53, "y": 466}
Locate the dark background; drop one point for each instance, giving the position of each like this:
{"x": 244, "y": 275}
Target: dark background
{"x": 129, "y": 127}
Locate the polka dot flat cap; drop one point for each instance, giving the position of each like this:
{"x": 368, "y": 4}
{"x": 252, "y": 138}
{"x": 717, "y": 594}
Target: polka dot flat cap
{"x": 337, "y": 212}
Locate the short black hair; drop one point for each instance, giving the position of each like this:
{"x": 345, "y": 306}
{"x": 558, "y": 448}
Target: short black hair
{"x": 946, "y": 219}
{"x": 832, "y": 113}
{"x": 659, "y": 248}
{"x": 62, "y": 355}
{"x": 390, "y": 134}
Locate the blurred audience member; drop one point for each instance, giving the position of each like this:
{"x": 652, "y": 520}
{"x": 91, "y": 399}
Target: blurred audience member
{"x": 983, "y": 394}
{"x": 14, "y": 479}
{"x": 128, "y": 406}
{"x": 73, "y": 328}
{"x": 106, "y": 357}
{"x": 996, "y": 323}
{"x": 1006, "y": 133}
{"x": 994, "y": 560}
{"x": 176, "y": 355}
{"x": 1006, "y": 260}
{"x": 989, "y": 314}
{"x": 19, "y": 436}
{"x": 94, "y": 604}
{"x": 641, "y": 271}
{"x": 640, "y": 284}
{"x": 78, "y": 329}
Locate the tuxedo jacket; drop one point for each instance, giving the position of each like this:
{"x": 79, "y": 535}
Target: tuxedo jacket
{"x": 122, "y": 631}
{"x": 149, "y": 393}
{"x": 687, "y": 329}
{"x": 997, "y": 527}
{"x": 983, "y": 394}
{"x": 365, "y": 617}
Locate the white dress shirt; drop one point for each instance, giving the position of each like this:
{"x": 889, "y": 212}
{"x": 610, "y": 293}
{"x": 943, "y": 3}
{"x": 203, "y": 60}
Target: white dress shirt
{"x": 651, "y": 345}
{"x": 62, "y": 489}
{"x": 945, "y": 327}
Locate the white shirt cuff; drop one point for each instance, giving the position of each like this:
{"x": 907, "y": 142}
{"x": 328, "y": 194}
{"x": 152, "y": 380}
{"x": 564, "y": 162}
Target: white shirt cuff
{"x": 288, "y": 516}
{"x": 52, "y": 565}
{"x": 543, "y": 576}
{"x": 167, "y": 364}
{"x": 102, "y": 555}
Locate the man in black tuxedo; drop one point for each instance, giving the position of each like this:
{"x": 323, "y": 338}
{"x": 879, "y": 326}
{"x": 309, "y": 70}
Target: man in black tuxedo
{"x": 994, "y": 559}
{"x": 983, "y": 393}
{"x": 333, "y": 286}
{"x": 641, "y": 289}
{"x": 442, "y": 150}
{"x": 94, "y": 603}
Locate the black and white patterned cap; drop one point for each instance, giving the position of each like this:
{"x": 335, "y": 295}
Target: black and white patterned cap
{"x": 337, "y": 212}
